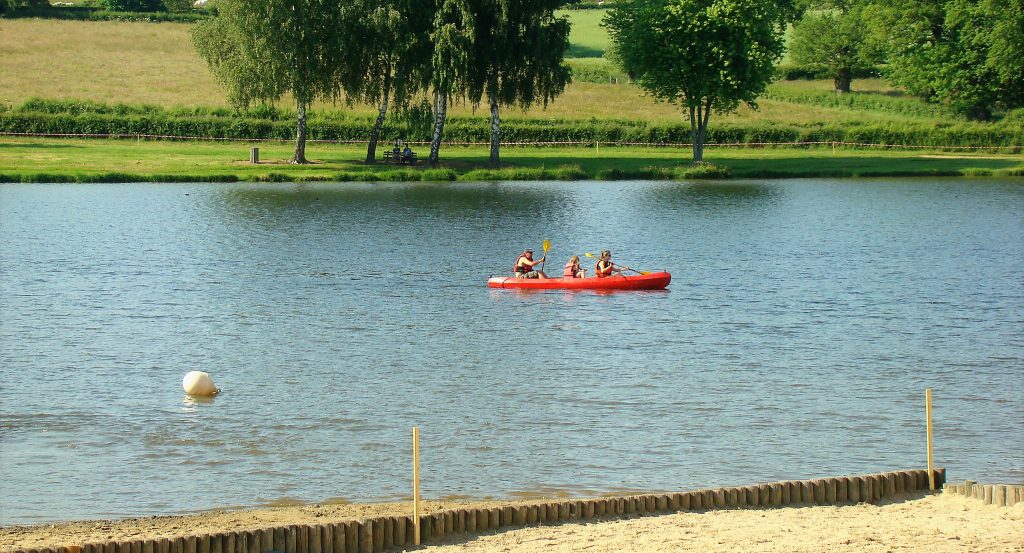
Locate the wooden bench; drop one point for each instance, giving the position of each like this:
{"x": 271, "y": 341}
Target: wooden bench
{"x": 391, "y": 157}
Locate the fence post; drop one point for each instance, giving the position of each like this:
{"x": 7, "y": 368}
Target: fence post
{"x": 254, "y": 155}
{"x": 416, "y": 485}
{"x": 928, "y": 414}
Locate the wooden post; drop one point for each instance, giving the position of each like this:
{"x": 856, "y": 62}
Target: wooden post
{"x": 416, "y": 485}
{"x": 254, "y": 155}
{"x": 931, "y": 460}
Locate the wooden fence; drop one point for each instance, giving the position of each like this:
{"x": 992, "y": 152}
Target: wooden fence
{"x": 374, "y": 535}
{"x": 1004, "y": 495}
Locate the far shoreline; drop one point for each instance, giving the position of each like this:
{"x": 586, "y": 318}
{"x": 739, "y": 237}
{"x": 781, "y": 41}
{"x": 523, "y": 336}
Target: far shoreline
{"x": 98, "y": 160}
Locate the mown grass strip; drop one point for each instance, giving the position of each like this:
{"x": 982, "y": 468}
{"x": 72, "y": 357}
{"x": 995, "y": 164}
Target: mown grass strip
{"x": 55, "y": 160}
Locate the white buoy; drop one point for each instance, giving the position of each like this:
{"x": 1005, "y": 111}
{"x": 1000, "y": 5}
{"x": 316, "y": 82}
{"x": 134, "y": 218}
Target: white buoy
{"x": 199, "y": 383}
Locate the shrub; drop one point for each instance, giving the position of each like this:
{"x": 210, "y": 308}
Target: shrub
{"x": 177, "y": 6}
{"x": 703, "y": 171}
{"x": 134, "y": 5}
{"x": 438, "y": 175}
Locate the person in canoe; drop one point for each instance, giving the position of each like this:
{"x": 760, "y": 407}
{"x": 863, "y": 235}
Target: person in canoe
{"x": 524, "y": 267}
{"x": 604, "y": 266}
{"x": 572, "y": 268}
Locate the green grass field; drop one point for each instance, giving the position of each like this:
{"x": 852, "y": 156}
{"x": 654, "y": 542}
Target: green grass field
{"x": 154, "y": 63}
{"x": 33, "y": 159}
{"x": 587, "y": 39}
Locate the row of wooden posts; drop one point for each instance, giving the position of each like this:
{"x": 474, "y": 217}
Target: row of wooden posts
{"x": 384, "y": 533}
{"x": 1003, "y": 495}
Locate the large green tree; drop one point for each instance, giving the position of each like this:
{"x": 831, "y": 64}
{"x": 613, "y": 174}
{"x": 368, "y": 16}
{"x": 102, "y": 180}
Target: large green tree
{"x": 833, "y": 38}
{"x": 704, "y": 55}
{"x": 261, "y": 50}
{"x": 968, "y": 54}
{"x": 518, "y": 57}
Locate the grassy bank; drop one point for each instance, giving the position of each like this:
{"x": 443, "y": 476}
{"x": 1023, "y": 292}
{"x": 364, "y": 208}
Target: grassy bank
{"x": 56, "y": 160}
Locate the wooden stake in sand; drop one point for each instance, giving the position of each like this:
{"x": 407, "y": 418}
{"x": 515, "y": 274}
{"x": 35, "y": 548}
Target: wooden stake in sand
{"x": 416, "y": 485}
{"x": 931, "y": 460}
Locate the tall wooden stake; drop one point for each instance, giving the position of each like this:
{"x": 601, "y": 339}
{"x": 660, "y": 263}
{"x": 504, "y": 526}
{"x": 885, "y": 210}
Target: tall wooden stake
{"x": 931, "y": 460}
{"x": 416, "y": 485}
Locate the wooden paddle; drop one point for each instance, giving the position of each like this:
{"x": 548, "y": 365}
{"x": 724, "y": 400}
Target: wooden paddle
{"x": 545, "y": 246}
{"x": 588, "y": 254}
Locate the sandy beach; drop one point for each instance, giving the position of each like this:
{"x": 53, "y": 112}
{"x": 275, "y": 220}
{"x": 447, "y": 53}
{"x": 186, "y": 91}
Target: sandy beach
{"x": 935, "y": 523}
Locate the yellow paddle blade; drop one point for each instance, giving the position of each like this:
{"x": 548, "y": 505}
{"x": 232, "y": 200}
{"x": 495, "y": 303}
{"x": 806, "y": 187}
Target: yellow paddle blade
{"x": 588, "y": 254}
{"x": 546, "y": 245}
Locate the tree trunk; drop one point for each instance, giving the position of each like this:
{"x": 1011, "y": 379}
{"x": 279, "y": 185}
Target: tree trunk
{"x": 495, "y": 161}
{"x": 300, "y": 136}
{"x": 697, "y": 151}
{"x": 440, "y": 112}
{"x": 371, "y": 149}
{"x": 702, "y": 131}
{"x": 699, "y": 116}
{"x": 842, "y": 81}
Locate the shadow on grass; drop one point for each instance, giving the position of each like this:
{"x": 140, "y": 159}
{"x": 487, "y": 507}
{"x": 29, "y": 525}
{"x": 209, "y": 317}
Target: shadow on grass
{"x": 39, "y": 145}
{"x": 580, "y": 51}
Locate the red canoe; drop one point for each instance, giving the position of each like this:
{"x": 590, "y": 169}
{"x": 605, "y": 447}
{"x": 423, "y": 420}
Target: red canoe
{"x": 650, "y": 281}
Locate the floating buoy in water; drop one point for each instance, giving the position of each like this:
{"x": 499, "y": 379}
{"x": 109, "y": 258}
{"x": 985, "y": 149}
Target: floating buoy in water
{"x": 199, "y": 383}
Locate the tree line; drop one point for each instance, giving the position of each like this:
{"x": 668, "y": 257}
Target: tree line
{"x": 712, "y": 55}
{"x": 968, "y": 54}
{"x": 389, "y": 53}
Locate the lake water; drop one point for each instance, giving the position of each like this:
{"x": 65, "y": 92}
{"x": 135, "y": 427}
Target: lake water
{"x": 804, "y": 322}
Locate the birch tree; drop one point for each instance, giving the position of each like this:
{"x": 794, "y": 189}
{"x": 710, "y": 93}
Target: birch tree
{"x": 392, "y": 40}
{"x": 518, "y": 58}
{"x": 262, "y": 50}
{"x": 452, "y": 38}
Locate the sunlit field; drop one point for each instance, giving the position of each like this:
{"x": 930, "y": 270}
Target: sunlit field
{"x": 155, "y": 63}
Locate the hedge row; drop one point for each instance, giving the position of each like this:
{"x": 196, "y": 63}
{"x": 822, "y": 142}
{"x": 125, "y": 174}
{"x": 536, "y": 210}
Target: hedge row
{"x": 81, "y": 13}
{"x": 464, "y": 129}
{"x": 865, "y": 101}
{"x": 789, "y": 72}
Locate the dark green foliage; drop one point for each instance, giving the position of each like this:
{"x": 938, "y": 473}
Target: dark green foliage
{"x": 7, "y": 7}
{"x": 703, "y": 55}
{"x": 968, "y": 54}
{"x": 177, "y": 6}
{"x": 134, "y": 5}
{"x": 790, "y": 72}
{"x": 834, "y": 42}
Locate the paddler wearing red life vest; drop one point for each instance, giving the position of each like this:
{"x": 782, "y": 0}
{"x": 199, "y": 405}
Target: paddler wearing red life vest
{"x": 524, "y": 267}
{"x": 604, "y": 266}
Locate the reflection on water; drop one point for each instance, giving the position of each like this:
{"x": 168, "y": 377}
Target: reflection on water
{"x": 804, "y": 320}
